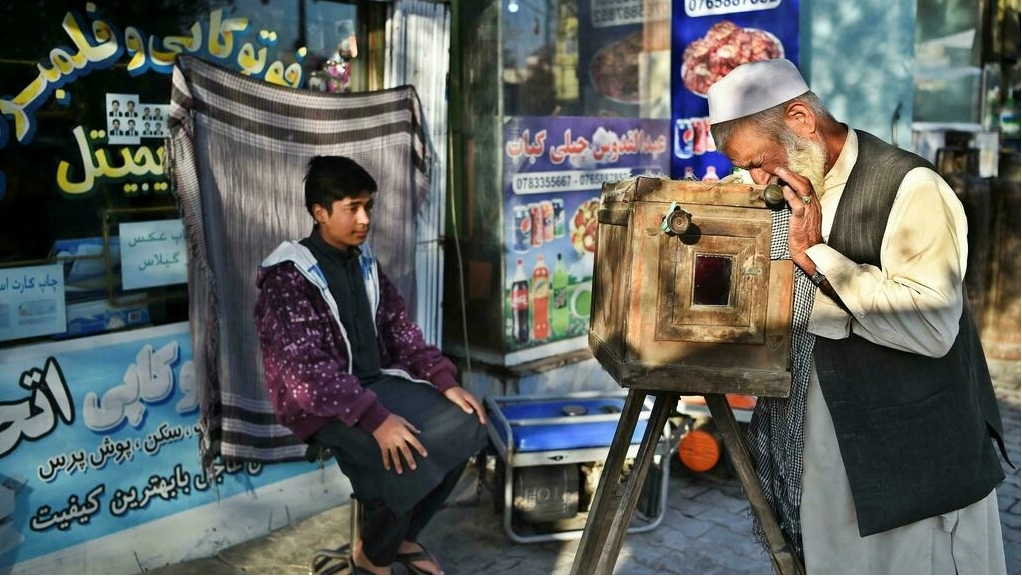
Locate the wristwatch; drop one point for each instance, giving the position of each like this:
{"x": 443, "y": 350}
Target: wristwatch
{"x": 817, "y": 278}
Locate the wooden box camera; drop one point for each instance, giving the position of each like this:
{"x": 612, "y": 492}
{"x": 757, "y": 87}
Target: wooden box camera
{"x": 685, "y": 296}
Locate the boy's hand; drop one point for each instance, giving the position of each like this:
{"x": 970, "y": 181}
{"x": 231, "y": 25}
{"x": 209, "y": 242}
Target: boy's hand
{"x": 467, "y": 402}
{"x": 396, "y": 437}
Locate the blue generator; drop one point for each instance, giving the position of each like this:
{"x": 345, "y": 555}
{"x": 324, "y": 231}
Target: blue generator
{"x": 550, "y": 453}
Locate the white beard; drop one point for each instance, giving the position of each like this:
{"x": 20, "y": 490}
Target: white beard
{"x": 809, "y": 159}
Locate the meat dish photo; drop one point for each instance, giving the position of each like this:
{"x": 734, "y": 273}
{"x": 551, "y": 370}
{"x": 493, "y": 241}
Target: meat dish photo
{"x": 614, "y": 69}
{"x": 723, "y": 48}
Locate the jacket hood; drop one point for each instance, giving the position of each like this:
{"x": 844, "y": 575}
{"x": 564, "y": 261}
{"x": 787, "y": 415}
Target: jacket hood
{"x": 298, "y": 255}
{"x": 302, "y": 258}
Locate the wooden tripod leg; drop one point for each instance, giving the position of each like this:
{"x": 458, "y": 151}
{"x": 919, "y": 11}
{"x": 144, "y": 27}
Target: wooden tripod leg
{"x": 782, "y": 555}
{"x": 609, "y": 491}
{"x": 662, "y": 408}
{"x": 604, "y": 533}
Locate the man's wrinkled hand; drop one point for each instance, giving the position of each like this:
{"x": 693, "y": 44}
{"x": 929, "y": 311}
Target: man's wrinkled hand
{"x": 397, "y": 438}
{"x": 466, "y": 401}
{"x": 805, "y": 227}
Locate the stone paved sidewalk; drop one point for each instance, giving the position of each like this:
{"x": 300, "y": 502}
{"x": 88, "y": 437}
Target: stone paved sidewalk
{"x": 706, "y": 528}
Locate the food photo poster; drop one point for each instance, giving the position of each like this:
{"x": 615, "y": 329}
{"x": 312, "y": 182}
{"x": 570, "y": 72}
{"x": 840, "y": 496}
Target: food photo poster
{"x": 630, "y": 79}
{"x": 554, "y": 171}
{"x": 711, "y": 38}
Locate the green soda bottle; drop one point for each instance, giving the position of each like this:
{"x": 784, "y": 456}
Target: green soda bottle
{"x": 560, "y": 289}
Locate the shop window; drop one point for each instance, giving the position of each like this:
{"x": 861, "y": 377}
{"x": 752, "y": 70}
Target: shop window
{"x": 586, "y": 58}
{"x": 90, "y": 235}
{"x": 949, "y": 70}
{"x": 967, "y": 63}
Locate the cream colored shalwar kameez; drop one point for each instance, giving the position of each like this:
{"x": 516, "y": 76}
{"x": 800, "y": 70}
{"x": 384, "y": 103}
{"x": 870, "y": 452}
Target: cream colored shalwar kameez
{"x": 912, "y": 304}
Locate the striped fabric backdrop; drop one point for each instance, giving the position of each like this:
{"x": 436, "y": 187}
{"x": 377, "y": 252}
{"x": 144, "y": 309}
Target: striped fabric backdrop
{"x": 418, "y": 46}
{"x": 237, "y": 154}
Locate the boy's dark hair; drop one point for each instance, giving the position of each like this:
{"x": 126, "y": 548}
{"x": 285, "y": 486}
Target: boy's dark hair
{"x": 332, "y": 178}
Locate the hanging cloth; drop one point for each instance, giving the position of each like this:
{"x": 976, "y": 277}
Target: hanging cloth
{"x": 237, "y": 154}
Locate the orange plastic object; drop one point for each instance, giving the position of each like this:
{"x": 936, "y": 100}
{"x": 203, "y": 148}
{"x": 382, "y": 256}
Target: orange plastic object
{"x": 699, "y": 450}
{"x": 735, "y": 401}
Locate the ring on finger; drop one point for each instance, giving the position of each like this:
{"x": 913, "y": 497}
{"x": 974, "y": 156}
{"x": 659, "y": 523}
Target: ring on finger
{"x": 807, "y": 199}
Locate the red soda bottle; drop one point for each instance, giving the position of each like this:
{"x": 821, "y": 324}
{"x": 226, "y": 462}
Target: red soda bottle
{"x": 520, "y": 305}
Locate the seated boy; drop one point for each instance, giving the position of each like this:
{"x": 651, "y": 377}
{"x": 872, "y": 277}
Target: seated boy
{"x": 347, "y": 369}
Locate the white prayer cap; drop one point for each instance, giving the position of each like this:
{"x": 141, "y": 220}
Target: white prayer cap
{"x": 754, "y": 87}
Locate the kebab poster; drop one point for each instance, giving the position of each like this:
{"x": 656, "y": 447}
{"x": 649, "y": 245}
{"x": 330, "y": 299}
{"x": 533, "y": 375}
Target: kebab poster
{"x": 711, "y": 38}
{"x": 554, "y": 169}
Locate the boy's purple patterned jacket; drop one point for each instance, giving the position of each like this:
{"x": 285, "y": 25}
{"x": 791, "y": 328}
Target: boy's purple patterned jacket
{"x": 305, "y": 349}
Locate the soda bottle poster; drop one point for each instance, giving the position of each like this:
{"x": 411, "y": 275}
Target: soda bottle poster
{"x": 554, "y": 169}
{"x": 711, "y": 38}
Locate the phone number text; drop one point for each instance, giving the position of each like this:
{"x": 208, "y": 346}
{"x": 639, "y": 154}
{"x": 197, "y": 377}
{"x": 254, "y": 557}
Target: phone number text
{"x": 710, "y": 7}
{"x": 542, "y": 182}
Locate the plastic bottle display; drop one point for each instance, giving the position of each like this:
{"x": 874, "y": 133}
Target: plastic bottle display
{"x": 560, "y": 314}
{"x": 711, "y": 174}
{"x": 540, "y": 300}
{"x": 520, "y": 305}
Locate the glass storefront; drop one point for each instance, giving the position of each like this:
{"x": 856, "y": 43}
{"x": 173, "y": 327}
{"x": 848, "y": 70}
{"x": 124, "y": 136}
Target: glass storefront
{"x": 90, "y": 238}
{"x": 579, "y": 96}
{"x": 102, "y": 394}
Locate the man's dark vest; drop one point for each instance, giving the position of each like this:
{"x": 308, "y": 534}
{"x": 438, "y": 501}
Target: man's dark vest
{"x": 914, "y": 431}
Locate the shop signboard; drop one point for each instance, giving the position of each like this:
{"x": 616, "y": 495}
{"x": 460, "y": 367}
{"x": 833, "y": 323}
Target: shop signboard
{"x": 99, "y": 435}
{"x": 32, "y": 301}
{"x": 96, "y": 42}
{"x": 554, "y": 169}
{"x": 153, "y": 253}
{"x": 97, "y": 154}
{"x": 710, "y": 38}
